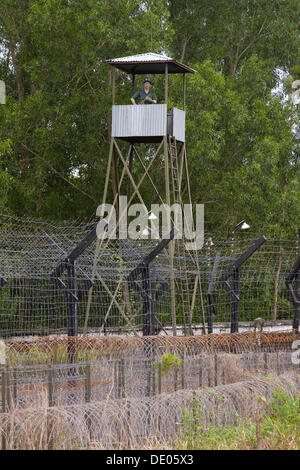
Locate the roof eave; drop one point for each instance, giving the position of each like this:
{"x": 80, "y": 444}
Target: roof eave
{"x": 181, "y": 67}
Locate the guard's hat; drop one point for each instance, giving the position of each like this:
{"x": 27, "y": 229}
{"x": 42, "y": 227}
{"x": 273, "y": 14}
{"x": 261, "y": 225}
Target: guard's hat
{"x": 147, "y": 80}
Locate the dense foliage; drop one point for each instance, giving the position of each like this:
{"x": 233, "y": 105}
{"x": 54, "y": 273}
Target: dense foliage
{"x": 274, "y": 428}
{"x": 242, "y": 141}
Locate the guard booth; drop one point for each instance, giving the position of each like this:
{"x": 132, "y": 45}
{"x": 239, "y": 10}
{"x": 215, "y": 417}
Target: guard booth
{"x": 149, "y": 123}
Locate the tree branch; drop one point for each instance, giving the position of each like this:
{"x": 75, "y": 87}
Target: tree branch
{"x": 56, "y": 172}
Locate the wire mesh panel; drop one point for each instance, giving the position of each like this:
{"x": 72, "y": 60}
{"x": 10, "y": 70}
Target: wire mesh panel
{"x": 33, "y": 301}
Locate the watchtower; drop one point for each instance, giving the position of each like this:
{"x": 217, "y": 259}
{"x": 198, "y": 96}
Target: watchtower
{"x": 149, "y": 124}
{"x": 158, "y": 127}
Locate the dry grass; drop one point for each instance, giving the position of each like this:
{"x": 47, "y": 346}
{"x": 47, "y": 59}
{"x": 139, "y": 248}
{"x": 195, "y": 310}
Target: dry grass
{"x": 55, "y": 349}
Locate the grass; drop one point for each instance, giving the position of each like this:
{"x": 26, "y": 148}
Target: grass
{"x": 276, "y": 428}
{"x": 56, "y": 355}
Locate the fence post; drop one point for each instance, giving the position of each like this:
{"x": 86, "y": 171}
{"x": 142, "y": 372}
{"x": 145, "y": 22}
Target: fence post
{"x": 115, "y": 377}
{"x": 297, "y": 288}
{"x": 182, "y": 372}
{"x": 148, "y": 372}
{"x": 278, "y": 363}
{"x": 153, "y": 381}
{"x": 50, "y": 386}
{"x": 209, "y": 374}
{"x": 88, "y": 395}
{"x": 200, "y": 372}
{"x": 8, "y": 397}
{"x": 88, "y": 389}
{"x": 72, "y": 307}
{"x": 55, "y": 353}
{"x": 194, "y": 411}
{"x": 15, "y": 385}
{"x": 148, "y": 303}
{"x": 121, "y": 378}
{"x": 216, "y": 369}
{"x": 256, "y": 358}
{"x": 159, "y": 378}
{"x": 50, "y": 404}
{"x": 265, "y": 362}
{"x": 71, "y": 289}
{"x": 175, "y": 378}
{"x": 234, "y": 328}
{"x": 3, "y": 388}
{"x": 294, "y": 275}
{"x": 143, "y": 269}
{"x": 234, "y": 271}
{"x": 211, "y": 309}
{"x": 122, "y": 365}
{"x": 159, "y": 391}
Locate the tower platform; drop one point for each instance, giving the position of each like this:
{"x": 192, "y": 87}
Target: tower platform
{"x": 147, "y": 123}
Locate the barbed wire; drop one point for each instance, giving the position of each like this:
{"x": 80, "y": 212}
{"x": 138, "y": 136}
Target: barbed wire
{"x": 133, "y": 423}
{"x": 56, "y": 349}
{"x": 105, "y": 391}
{"x": 31, "y": 303}
{"x": 130, "y": 377}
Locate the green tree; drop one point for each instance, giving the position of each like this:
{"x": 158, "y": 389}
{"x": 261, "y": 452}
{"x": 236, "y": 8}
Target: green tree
{"x": 229, "y": 32}
{"x": 58, "y": 88}
{"x": 241, "y": 150}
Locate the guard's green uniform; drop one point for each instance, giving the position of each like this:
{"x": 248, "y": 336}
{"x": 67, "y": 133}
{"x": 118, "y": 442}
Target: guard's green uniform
{"x": 142, "y": 95}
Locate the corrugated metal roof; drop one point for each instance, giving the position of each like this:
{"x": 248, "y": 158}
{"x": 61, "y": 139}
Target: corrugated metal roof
{"x": 148, "y": 63}
{"x": 147, "y": 57}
